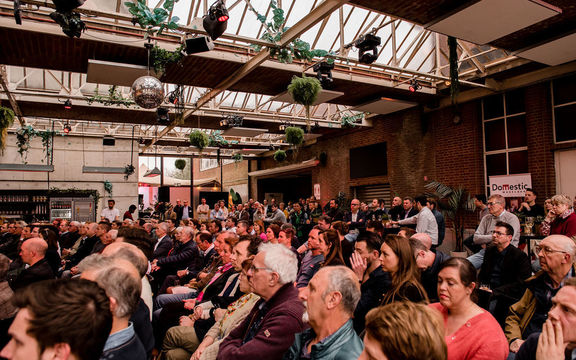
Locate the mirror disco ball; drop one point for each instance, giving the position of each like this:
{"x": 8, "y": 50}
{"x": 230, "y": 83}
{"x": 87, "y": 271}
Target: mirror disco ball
{"x": 148, "y": 92}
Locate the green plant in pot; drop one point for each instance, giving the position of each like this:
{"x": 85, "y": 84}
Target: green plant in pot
{"x": 294, "y": 135}
{"x": 305, "y": 90}
{"x": 180, "y": 164}
{"x": 199, "y": 139}
{"x": 6, "y": 120}
{"x": 280, "y": 155}
{"x": 454, "y": 202}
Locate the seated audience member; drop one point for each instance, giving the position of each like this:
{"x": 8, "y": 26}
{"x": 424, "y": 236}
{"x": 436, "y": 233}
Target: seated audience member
{"x": 52, "y": 255}
{"x": 556, "y": 255}
{"x": 270, "y": 327}
{"x": 529, "y": 206}
{"x": 121, "y": 281}
{"x": 102, "y": 230}
{"x": 404, "y": 330}
{"x": 7, "y": 309}
{"x": 181, "y": 341}
{"x": 471, "y": 332}
{"x": 406, "y": 232}
{"x": 365, "y": 262}
{"x": 429, "y": 264}
{"x": 59, "y": 319}
{"x": 139, "y": 238}
{"x": 272, "y": 233}
{"x": 242, "y": 227}
{"x": 324, "y": 222}
{"x": 84, "y": 248}
{"x": 346, "y": 245}
{"x": 164, "y": 243}
{"x": 425, "y": 220}
{"x": 311, "y": 261}
{"x": 396, "y": 209}
{"x": 230, "y": 224}
{"x": 355, "y": 218}
{"x": 375, "y": 226}
{"x": 285, "y": 237}
{"x": 397, "y": 259}
{"x": 276, "y": 216}
{"x": 505, "y": 268}
{"x": 561, "y": 220}
{"x": 558, "y": 338}
{"x": 329, "y": 243}
{"x": 32, "y": 253}
{"x": 330, "y": 299}
{"x": 483, "y": 234}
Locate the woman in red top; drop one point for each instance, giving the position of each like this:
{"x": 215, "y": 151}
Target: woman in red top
{"x": 471, "y": 332}
{"x": 561, "y": 219}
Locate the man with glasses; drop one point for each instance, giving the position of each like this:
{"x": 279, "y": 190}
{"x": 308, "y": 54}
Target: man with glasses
{"x": 483, "y": 234}
{"x": 556, "y": 254}
{"x": 269, "y": 330}
{"x": 356, "y": 218}
{"x": 503, "y": 272}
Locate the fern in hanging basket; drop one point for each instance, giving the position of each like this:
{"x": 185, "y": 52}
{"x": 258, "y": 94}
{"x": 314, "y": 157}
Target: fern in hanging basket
{"x": 280, "y": 155}
{"x": 305, "y": 90}
{"x": 199, "y": 139}
{"x": 294, "y": 135}
{"x": 180, "y": 164}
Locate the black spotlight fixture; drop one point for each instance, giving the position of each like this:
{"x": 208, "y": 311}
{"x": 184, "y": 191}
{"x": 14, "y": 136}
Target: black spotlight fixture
{"x": 68, "y": 20}
{"x": 68, "y": 104}
{"x": 324, "y": 73}
{"x": 198, "y": 44}
{"x": 414, "y": 85}
{"x": 368, "y": 47}
{"x": 17, "y": 16}
{"x": 163, "y": 116}
{"x": 232, "y": 121}
{"x": 216, "y": 21}
{"x": 67, "y": 128}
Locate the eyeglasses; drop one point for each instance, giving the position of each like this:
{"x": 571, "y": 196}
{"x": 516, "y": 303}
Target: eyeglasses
{"x": 355, "y": 204}
{"x": 547, "y": 250}
{"x": 255, "y": 268}
{"x": 492, "y": 203}
{"x": 498, "y": 233}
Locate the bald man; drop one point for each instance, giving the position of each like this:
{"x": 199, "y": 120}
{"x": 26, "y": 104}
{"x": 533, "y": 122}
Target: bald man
{"x": 32, "y": 253}
{"x": 424, "y": 238}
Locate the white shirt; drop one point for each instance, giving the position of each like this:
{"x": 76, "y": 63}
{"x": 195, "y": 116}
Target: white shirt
{"x": 203, "y": 208}
{"x": 185, "y": 212}
{"x": 111, "y": 214}
{"x": 425, "y": 223}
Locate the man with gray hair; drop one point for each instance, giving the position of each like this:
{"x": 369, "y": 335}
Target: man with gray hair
{"x": 270, "y": 327}
{"x": 330, "y": 299}
{"x": 121, "y": 281}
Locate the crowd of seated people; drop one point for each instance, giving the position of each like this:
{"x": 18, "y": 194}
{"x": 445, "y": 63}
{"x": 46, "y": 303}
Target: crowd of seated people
{"x": 288, "y": 281}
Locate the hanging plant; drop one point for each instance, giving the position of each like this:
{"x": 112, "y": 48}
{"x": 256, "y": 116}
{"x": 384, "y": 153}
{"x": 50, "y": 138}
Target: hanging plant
{"x": 6, "y": 120}
{"x": 180, "y": 164}
{"x": 161, "y": 58}
{"x": 128, "y": 170}
{"x": 114, "y": 97}
{"x": 294, "y": 135}
{"x": 453, "y": 59}
{"x": 153, "y": 21}
{"x": 280, "y": 155}
{"x": 108, "y": 187}
{"x": 350, "y": 121}
{"x": 237, "y": 157}
{"x": 47, "y": 136}
{"x": 304, "y": 90}
{"x": 199, "y": 139}
{"x": 23, "y": 137}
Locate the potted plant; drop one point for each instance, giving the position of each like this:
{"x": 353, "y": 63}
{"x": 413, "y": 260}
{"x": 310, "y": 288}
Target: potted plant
{"x": 199, "y": 139}
{"x": 304, "y": 90}
{"x": 280, "y": 155}
{"x": 294, "y": 135}
{"x": 180, "y": 164}
{"x": 455, "y": 203}
{"x": 6, "y": 120}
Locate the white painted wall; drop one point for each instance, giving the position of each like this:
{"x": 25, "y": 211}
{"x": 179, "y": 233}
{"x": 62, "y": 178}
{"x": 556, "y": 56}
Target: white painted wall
{"x": 70, "y": 154}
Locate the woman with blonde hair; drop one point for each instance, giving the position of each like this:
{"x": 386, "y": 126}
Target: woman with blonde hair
{"x": 561, "y": 219}
{"x": 397, "y": 259}
{"x": 404, "y": 330}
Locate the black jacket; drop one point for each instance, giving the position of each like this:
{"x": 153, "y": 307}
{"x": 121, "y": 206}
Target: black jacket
{"x": 68, "y": 239}
{"x": 37, "y": 272}
{"x": 182, "y": 257}
{"x": 372, "y": 290}
{"x": 163, "y": 248}
{"x": 84, "y": 250}
{"x": 360, "y": 222}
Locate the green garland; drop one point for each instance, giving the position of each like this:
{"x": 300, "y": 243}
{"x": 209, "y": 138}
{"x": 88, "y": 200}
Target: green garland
{"x": 297, "y": 49}
{"x": 114, "y": 97}
{"x": 349, "y": 121}
{"x": 153, "y": 21}
{"x": 161, "y": 58}
{"x": 23, "y": 137}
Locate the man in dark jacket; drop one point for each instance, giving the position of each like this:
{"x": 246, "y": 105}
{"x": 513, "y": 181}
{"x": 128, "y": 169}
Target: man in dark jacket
{"x": 428, "y": 262}
{"x": 32, "y": 253}
{"x": 355, "y": 218}
{"x": 505, "y": 268}
{"x": 268, "y": 331}
{"x": 164, "y": 244}
{"x": 330, "y": 297}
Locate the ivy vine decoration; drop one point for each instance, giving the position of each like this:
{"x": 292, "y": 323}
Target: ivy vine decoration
{"x": 47, "y": 136}
{"x": 199, "y": 139}
{"x": 161, "y": 58}
{"x": 216, "y": 139}
{"x": 350, "y": 121}
{"x": 237, "y": 157}
{"x": 114, "y": 97}
{"x": 297, "y": 49}
{"x": 128, "y": 170}
{"x": 108, "y": 187}
{"x": 6, "y": 120}
{"x": 180, "y": 164}
{"x": 23, "y": 137}
{"x": 305, "y": 90}
{"x": 154, "y": 21}
{"x": 280, "y": 155}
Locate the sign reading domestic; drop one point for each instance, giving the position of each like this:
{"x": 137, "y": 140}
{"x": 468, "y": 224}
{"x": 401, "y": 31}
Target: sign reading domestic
{"x": 510, "y": 185}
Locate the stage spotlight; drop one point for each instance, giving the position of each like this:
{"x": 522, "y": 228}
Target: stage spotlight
{"x": 368, "y": 48}
{"x": 324, "y": 73}
{"x": 414, "y": 85}
{"x": 198, "y": 44}
{"x": 68, "y": 104}
{"x": 216, "y": 21}
{"x": 68, "y": 20}
{"x": 232, "y": 121}
{"x": 162, "y": 116}
{"x": 67, "y": 128}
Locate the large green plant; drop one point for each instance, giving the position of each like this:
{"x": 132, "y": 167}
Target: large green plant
{"x": 305, "y": 90}
{"x": 454, "y": 202}
{"x": 280, "y": 155}
{"x": 297, "y": 49}
{"x": 199, "y": 139}
{"x": 294, "y": 135}
{"x": 154, "y": 21}
{"x": 6, "y": 120}
{"x": 161, "y": 58}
